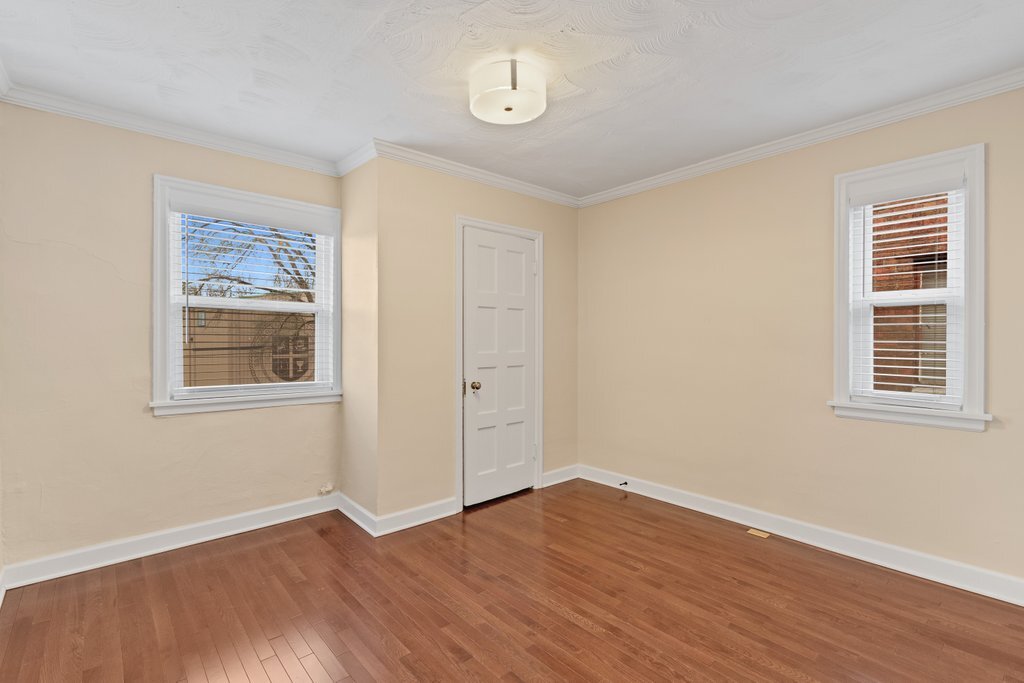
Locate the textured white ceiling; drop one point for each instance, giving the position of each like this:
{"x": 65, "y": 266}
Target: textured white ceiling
{"x": 636, "y": 87}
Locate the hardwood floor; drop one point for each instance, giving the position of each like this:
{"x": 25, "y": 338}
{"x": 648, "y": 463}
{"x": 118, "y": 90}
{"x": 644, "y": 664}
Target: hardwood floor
{"x": 577, "y": 581}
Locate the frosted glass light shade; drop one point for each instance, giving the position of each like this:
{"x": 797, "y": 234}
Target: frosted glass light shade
{"x": 508, "y": 91}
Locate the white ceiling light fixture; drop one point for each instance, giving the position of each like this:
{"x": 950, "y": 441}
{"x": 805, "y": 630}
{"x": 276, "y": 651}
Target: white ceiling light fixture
{"x": 508, "y": 91}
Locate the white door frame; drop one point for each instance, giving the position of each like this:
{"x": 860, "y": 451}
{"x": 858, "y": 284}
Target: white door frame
{"x": 461, "y": 223}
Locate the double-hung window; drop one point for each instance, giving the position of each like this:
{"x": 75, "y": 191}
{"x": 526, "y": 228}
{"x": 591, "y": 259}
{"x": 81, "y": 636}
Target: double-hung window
{"x": 910, "y": 291}
{"x": 246, "y": 290}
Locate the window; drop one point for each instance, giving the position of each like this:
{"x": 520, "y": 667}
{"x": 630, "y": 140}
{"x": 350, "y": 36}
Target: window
{"x": 910, "y": 240}
{"x": 245, "y": 295}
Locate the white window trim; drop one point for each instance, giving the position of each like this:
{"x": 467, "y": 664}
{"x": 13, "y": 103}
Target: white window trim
{"x": 893, "y": 181}
{"x": 175, "y": 194}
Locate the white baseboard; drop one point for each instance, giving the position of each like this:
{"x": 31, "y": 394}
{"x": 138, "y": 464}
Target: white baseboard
{"x": 381, "y": 525}
{"x": 121, "y": 550}
{"x": 558, "y": 476}
{"x": 403, "y": 519}
{"x": 950, "y": 572}
{"x": 363, "y": 518}
{"x": 386, "y": 524}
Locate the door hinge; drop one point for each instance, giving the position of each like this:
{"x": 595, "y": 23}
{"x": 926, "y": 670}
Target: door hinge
{"x": 463, "y": 388}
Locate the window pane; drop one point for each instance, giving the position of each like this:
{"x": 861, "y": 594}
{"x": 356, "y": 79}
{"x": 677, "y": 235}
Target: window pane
{"x": 910, "y": 348}
{"x": 241, "y": 260}
{"x": 225, "y": 347}
{"x": 909, "y": 243}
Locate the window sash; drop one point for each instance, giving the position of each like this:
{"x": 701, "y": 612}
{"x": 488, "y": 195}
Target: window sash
{"x": 242, "y": 390}
{"x": 323, "y": 348}
{"x": 863, "y": 370}
{"x": 864, "y": 358}
{"x": 229, "y": 303}
{"x": 322, "y": 309}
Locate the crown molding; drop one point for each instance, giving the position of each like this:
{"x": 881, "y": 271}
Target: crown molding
{"x": 987, "y": 87}
{"x": 37, "y": 99}
{"x": 387, "y": 150}
{"x": 354, "y": 160}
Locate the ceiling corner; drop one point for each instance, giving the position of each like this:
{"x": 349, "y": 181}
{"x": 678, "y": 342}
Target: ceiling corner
{"x": 389, "y": 150}
{"x": 357, "y": 158}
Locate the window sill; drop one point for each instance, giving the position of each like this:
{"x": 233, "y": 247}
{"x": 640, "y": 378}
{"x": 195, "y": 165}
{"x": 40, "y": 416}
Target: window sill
{"x": 209, "y": 405}
{"x": 928, "y": 417}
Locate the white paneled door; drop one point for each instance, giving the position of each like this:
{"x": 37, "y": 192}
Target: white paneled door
{"x": 499, "y": 364}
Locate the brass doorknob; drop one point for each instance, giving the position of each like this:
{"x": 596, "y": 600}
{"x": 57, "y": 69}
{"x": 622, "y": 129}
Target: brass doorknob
{"x": 475, "y": 386}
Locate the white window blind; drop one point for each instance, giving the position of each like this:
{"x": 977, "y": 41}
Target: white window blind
{"x": 251, "y": 307}
{"x": 907, "y": 300}
{"x": 245, "y": 300}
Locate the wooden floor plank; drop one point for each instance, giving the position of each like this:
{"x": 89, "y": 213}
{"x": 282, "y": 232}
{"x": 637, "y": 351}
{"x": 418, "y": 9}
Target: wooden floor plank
{"x": 289, "y": 660}
{"x": 7, "y": 617}
{"x": 328, "y": 660}
{"x": 315, "y": 669}
{"x": 577, "y": 581}
{"x": 275, "y": 671}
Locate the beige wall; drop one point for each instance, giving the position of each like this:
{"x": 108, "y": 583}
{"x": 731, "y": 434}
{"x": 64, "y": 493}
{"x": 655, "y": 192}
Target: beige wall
{"x": 398, "y": 328}
{"x": 357, "y": 460}
{"x": 697, "y": 336}
{"x": 705, "y": 354}
{"x": 85, "y": 461}
{"x": 417, "y": 325}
